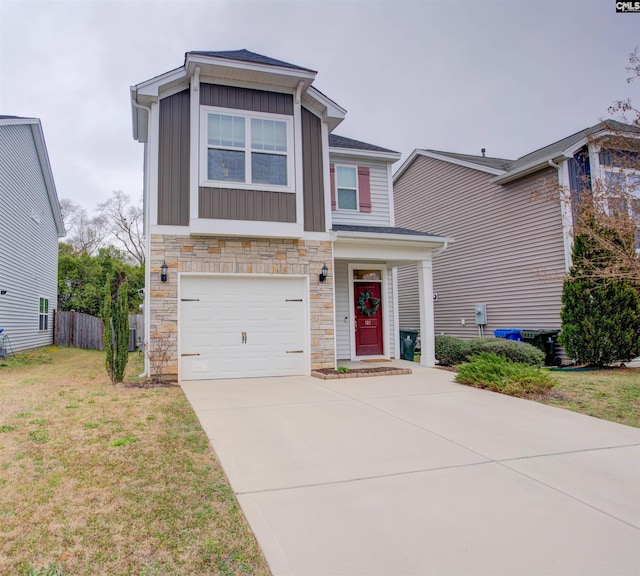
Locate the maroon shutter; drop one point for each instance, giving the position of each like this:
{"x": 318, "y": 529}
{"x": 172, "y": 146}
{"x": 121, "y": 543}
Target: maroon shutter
{"x": 364, "y": 188}
{"x": 332, "y": 178}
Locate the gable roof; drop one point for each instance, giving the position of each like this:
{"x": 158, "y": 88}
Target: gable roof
{"x": 336, "y": 141}
{"x": 487, "y": 161}
{"x": 566, "y": 143}
{"x": 509, "y": 170}
{"x": 231, "y": 67}
{"x": 561, "y": 149}
{"x": 245, "y": 55}
{"x": 495, "y": 166}
{"x": 43, "y": 157}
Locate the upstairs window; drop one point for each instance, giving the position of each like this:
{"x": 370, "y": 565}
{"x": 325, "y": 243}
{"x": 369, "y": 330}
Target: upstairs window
{"x": 246, "y": 150}
{"x": 622, "y": 188}
{"x": 226, "y": 143}
{"x": 350, "y": 187}
{"x": 43, "y": 317}
{"x": 347, "y": 185}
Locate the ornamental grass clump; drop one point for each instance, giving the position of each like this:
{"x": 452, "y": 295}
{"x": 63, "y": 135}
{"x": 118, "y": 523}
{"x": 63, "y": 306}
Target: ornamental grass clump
{"x": 496, "y": 373}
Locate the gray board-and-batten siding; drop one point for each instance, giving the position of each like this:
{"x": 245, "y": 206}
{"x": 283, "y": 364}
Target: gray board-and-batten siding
{"x": 508, "y": 251}
{"x": 29, "y": 254}
{"x": 224, "y": 203}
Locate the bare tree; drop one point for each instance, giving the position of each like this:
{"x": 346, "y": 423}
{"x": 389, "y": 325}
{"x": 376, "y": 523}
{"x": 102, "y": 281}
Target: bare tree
{"x": 68, "y": 209}
{"x": 625, "y": 108}
{"x": 606, "y": 208}
{"x": 124, "y": 221}
{"x": 87, "y": 234}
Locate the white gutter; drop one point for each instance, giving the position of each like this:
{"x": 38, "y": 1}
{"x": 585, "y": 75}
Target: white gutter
{"x": 393, "y": 156}
{"x": 530, "y": 168}
{"x": 398, "y": 238}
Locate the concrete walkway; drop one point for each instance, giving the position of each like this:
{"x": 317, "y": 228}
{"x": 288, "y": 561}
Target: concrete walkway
{"x": 417, "y": 475}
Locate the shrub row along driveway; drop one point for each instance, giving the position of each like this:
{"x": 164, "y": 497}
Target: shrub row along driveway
{"x": 419, "y": 475}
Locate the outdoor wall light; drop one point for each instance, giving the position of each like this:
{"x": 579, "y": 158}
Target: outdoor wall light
{"x": 163, "y": 272}
{"x": 323, "y": 273}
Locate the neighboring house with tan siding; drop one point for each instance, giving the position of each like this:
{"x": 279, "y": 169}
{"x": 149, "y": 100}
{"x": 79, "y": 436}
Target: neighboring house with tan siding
{"x": 31, "y": 225}
{"x": 271, "y": 245}
{"x": 512, "y": 224}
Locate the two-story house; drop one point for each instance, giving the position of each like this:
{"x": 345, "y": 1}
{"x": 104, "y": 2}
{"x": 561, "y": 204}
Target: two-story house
{"x": 271, "y": 242}
{"x": 513, "y": 224}
{"x": 31, "y": 225}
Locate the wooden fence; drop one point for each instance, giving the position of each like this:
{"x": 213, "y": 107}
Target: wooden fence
{"x": 79, "y": 330}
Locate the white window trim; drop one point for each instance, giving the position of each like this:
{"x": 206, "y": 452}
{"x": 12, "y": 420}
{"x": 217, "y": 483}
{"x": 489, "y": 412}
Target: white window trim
{"x": 626, "y": 172}
{"x": 41, "y": 314}
{"x": 357, "y": 189}
{"x": 247, "y": 115}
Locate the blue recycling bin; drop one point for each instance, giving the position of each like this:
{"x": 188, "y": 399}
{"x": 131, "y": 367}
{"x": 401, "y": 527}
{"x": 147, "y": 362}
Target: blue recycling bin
{"x": 509, "y": 334}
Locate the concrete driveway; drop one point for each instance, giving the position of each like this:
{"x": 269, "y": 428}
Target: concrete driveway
{"x": 417, "y": 475}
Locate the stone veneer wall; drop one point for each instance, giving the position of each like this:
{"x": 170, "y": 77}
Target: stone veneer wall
{"x": 242, "y": 256}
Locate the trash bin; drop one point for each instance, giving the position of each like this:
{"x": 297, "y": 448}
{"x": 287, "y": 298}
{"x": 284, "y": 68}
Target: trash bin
{"x": 408, "y": 343}
{"x": 544, "y": 340}
{"x": 509, "y": 333}
{"x": 132, "y": 340}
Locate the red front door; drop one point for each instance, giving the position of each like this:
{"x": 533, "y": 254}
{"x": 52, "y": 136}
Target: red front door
{"x": 368, "y": 307}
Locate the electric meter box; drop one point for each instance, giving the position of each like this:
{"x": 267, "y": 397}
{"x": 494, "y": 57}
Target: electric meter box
{"x": 480, "y": 313}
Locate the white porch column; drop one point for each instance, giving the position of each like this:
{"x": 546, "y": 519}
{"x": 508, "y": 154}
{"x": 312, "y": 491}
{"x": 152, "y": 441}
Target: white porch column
{"x": 427, "y": 327}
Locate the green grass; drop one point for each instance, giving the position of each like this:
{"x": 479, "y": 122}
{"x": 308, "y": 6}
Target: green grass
{"x": 103, "y": 479}
{"x": 612, "y": 394}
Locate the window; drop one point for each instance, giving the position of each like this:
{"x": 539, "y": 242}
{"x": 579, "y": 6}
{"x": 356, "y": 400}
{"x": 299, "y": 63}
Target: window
{"x": 347, "y": 187}
{"x": 247, "y": 150}
{"x": 367, "y": 275}
{"x": 622, "y": 188}
{"x": 44, "y": 314}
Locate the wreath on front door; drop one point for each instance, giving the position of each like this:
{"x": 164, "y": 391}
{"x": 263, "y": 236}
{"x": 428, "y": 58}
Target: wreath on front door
{"x": 367, "y": 304}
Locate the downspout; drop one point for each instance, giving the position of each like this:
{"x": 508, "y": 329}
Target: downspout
{"x": 147, "y": 293}
{"x": 440, "y": 250}
{"x": 554, "y": 165}
{"x": 299, "y": 92}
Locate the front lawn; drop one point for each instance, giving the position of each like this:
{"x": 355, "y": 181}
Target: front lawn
{"x": 612, "y": 394}
{"x": 97, "y": 479}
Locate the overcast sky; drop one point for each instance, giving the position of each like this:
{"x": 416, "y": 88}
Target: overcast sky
{"x": 510, "y": 76}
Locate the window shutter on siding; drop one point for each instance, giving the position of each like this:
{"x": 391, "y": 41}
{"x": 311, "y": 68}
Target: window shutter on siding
{"x": 364, "y": 189}
{"x": 332, "y": 178}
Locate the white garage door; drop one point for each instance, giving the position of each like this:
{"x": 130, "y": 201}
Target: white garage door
{"x": 239, "y": 326}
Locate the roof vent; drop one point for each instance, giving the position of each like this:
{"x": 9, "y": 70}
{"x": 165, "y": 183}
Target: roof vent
{"x": 484, "y": 152}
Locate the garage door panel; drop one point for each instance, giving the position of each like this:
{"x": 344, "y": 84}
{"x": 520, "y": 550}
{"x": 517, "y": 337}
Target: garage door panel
{"x": 216, "y": 311}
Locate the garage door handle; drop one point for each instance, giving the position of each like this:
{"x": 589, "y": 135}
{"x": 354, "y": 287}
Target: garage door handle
{"x": 295, "y": 351}
{"x": 244, "y": 337}
{"x": 189, "y": 354}
{"x": 293, "y": 300}
{"x": 190, "y": 299}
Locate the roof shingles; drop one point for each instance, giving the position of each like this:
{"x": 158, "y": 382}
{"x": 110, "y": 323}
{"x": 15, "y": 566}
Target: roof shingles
{"x": 248, "y": 56}
{"x": 336, "y": 141}
{"x": 542, "y": 154}
{"x": 381, "y": 230}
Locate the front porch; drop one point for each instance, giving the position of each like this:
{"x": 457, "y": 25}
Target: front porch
{"x": 366, "y": 260}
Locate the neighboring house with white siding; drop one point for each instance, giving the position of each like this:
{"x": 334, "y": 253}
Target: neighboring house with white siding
{"x": 250, "y": 198}
{"x": 512, "y": 222}
{"x": 30, "y": 224}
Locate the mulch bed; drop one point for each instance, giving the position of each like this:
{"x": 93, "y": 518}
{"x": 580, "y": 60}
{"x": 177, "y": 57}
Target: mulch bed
{"x": 331, "y": 374}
